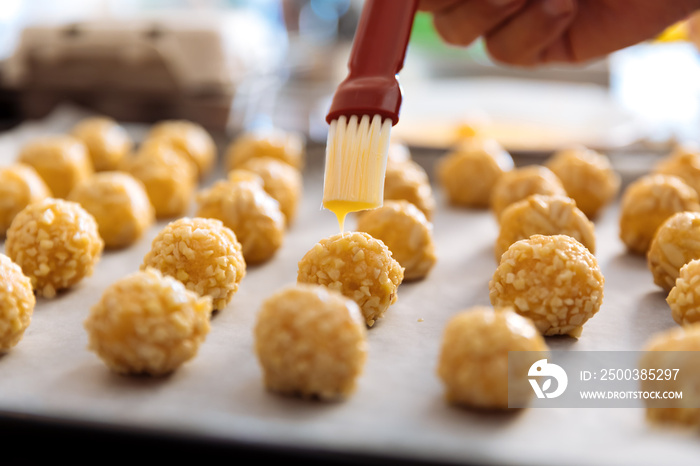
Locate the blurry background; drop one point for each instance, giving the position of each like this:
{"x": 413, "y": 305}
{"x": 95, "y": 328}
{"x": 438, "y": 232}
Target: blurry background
{"x": 237, "y": 64}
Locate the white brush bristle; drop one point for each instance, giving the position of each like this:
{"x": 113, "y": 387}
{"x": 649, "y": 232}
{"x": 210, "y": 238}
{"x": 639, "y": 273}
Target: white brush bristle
{"x": 356, "y": 156}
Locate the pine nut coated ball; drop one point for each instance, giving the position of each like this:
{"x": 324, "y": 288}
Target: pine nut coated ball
{"x": 552, "y": 280}
{"x": 406, "y": 232}
{"x": 669, "y": 350}
{"x": 190, "y": 139}
{"x": 62, "y": 161}
{"x": 107, "y": 142}
{"x": 17, "y": 303}
{"x": 543, "y": 215}
{"x": 587, "y": 176}
{"x": 281, "y": 181}
{"x": 242, "y": 205}
{"x": 147, "y": 323}
{"x": 287, "y": 146}
{"x": 684, "y": 297}
{"x": 56, "y": 243}
{"x": 676, "y": 242}
{"x": 469, "y": 172}
{"x": 120, "y": 205}
{"x": 310, "y": 341}
{"x": 203, "y": 254}
{"x": 647, "y": 203}
{"x": 170, "y": 178}
{"x": 408, "y": 181}
{"x": 20, "y": 185}
{"x": 519, "y": 183}
{"x": 473, "y": 359}
{"x": 358, "y": 266}
{"x": 398, "y": 152}
{"x": 683, "y": 162}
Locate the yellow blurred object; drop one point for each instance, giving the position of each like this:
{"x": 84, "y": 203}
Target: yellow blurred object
{"x": 678, "y": 32}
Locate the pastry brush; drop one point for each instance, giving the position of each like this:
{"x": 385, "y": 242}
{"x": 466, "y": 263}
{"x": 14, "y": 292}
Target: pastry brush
{"x": 364, "y": 108}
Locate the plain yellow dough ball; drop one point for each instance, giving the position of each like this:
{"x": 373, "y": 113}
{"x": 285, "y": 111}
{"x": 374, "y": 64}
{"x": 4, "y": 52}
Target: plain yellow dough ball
{"x": 203, "y": 254}
{"x": 191, "y": 139}
{"x": 146, "y": 323}
{"x": 647, "y": 203}
{"x": 553, "y": 280}
{"x": 169, "y": 177}
{"x": 244, "y": 207}
{"x": 56, "y": 243}
{"x": 17, "y": 303}
{"x": 519, "y": 183}
{"x": 684, "y": 297}
{"x": 119, "y": 203}
{"x": 310, "y": 341}
{"x": 683, "y": 162}
{"x": 406, "y": 232}
{"x": 473, "y": 359}
{"x": 667, "y": 351}
{"x": 469, "y": 172}
{"x": 358, "y": 266}
{"x": 676, "y": 242}
{"x": 543, "y": 215}
{"x": 408, "y": 181}
{"x": 62, "y": 161}
{"x": 281, "y": 181}
{"x": 106, "y": 140}
{"x": 20, "y": 185}
{"x": 287, "y": 146}
{"x": 587, "y": 176}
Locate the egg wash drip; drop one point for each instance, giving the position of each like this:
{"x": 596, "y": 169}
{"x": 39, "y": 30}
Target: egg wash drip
{"x": 356, "y": 157}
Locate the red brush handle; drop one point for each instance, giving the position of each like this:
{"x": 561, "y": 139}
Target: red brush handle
{"x": 377, "y": 56}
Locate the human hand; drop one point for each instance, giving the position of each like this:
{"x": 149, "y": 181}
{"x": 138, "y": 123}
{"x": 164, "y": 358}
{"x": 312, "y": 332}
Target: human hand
{"x": 534, "y": 32}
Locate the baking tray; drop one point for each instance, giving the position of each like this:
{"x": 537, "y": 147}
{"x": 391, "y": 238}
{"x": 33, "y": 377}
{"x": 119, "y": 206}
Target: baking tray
{"x": 398, "y": 412}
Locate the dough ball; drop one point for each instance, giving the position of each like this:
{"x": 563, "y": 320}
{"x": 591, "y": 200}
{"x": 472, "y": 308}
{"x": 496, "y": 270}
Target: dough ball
{"x": 169, "y": 177}
{"x": 676, "y": 242}
{"x": 190, "y": 139}
{"x": 203, "y": 254}
{"x": 146, "y": 323}
{"x": 469, "y": 172}
{"x": 20, "y": 185}
{"x": 16, "y": 303}
{"x": 409, "y": 181}
{"x": 245, "y": 207}
{"x": 281, "y": 181}
{"x": 543, "y": 215}
{"x": 398, "y": 152}
{"x": 107, "y": 141}
{"x": 56, "y": 243}
{"x": 473, "y": 360}
{"x": 519, "y": 183}
{"x": 406, "y": 232}
{"x": 287, "y": 146}
{"x": 683, "y": 162}
{"x": 553, "y": 280}
{"x": 119, "y": 203}
{"x": 647, "y": 202}
{"x": 62, "y": 161}
{"x": 669, "y": 350}
{"x": 357, "y": 265}
{"x": 587, "y": 176}
{"x": 310, "y": 341}
{"x": 684, "y": 298}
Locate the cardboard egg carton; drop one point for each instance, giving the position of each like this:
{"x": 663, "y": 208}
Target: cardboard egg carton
{"x": 133, "y": 70}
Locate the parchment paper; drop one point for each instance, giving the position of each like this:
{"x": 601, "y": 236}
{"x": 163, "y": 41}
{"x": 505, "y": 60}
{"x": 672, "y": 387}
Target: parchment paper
{"x": 398, "y": 409}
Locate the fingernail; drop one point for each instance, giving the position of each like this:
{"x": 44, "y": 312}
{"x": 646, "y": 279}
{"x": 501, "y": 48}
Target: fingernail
{"x": 558, "y": 7}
